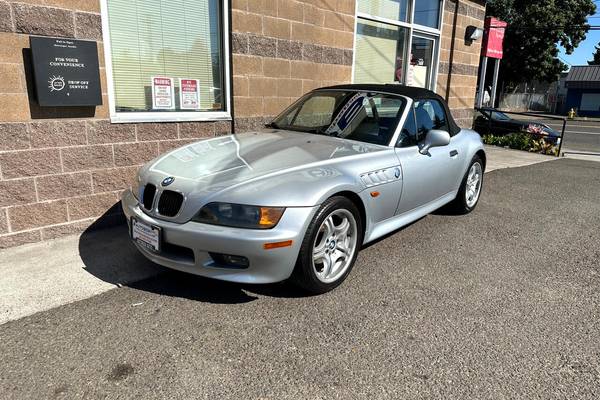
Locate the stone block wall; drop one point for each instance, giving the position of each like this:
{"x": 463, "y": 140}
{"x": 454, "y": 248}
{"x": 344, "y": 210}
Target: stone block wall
{"x": 285, "y": 48}
{"x": 459, "y": 60}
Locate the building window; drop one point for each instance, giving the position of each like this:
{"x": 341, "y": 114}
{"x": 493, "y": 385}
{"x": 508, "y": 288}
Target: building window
{"x": 393, "y": 9}
{"x": 380, "y": 50}
{"x": 427, "y": 13}
{"x": 397, "y": 41}
{"x": 166, "y": 60}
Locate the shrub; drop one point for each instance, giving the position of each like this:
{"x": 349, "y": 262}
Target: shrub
{"x": 522, "y": 141}
{"x": 543, "y": 147}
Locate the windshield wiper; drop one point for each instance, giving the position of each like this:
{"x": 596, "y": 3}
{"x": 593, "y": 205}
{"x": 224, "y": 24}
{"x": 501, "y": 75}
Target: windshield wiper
{"x": 272, "y": 125}
{"x": 318, "y": 131}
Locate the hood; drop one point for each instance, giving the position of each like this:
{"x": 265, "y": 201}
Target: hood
{"x": 232, "y": 159}
{"x": 270, "y": 168}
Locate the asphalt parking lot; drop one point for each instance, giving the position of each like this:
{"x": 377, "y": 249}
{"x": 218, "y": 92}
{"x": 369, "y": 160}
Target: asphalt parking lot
{"x": 502, "y": 303}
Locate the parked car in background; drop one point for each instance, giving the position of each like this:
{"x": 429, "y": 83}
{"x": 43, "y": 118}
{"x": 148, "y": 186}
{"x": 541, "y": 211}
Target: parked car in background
{"x": 341, "y": 167}
{"x": 489, "y": 121}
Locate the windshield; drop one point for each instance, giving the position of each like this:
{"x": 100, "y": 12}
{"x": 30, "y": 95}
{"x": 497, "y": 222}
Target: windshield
{"x": 498, "y": 116}
{"x": 361, "y": 116}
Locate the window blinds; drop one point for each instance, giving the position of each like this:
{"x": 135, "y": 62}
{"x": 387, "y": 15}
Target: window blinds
{"x": 379, "y": 52}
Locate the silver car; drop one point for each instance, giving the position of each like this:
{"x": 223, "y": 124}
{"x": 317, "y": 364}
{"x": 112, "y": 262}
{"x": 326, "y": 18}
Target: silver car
{"x": 341, "y": 167}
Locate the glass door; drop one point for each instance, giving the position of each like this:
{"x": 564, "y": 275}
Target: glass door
{"x": 421, "y": 64}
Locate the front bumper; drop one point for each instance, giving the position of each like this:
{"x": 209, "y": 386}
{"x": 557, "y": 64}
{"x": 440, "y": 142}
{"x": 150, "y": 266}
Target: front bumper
{"x": 186, "y": 246}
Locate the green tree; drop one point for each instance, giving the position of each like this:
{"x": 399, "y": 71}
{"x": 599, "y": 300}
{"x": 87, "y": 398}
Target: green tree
{"x": 535, "y": 29}
{"x": 596, "y": 60}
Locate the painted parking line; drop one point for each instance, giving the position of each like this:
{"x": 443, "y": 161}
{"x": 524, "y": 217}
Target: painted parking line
{"x": 577, "y": 126}
{"x": 585, "y": 126}
{"x": 583, "y": 133}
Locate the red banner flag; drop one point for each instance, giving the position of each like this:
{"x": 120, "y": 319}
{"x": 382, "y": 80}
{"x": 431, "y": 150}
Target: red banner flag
{"x": 493, "y": 38}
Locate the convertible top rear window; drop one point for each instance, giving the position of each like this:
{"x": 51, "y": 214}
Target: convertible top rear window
{"x": 361, "y": 116}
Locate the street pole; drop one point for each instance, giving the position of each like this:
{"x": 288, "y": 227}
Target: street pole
{"x": 482, "y": 74}
{"x": 495, "y": 81}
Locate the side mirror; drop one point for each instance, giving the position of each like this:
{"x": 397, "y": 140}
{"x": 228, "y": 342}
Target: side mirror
{"x": 434, "y": 138}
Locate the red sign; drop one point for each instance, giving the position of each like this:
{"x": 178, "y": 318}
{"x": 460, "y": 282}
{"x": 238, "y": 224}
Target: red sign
{"x": 189, "y": 85}
{"x": 493, "y": 38}
{"x": 189, "y": 94}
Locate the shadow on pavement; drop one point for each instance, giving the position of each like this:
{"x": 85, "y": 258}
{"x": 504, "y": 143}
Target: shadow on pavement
{"x": 109, "y": 255}
{"x": 193, "y": 287}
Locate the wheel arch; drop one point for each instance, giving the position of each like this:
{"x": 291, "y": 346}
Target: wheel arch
{"x": 483, "y": 157}
{"x": 357, "y": 201}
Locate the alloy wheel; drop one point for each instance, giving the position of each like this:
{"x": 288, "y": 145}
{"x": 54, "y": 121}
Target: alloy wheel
{"x": 473, "y": 188}
{"x": 334, "y": 246}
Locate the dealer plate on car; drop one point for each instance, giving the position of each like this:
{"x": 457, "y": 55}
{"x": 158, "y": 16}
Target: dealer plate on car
{"x": 146, "y": 235}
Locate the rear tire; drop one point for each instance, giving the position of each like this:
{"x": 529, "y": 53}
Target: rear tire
{"x": 330, "y": 246}
{"x": 470, "y": 188}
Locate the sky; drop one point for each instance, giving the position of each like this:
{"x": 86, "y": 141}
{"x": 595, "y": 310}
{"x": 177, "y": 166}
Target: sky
{"x": 584, "y": 52}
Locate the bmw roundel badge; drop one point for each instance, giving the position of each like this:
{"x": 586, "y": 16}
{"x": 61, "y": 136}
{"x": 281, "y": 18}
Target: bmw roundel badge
{"x": 167, "y": 181}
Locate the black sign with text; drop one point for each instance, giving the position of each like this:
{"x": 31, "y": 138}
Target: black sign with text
{"x": 66, "y": 72}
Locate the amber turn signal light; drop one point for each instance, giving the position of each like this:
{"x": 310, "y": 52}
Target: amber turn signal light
{"x": 277, "y": 245}
{"x": 270, "y": 216}
{"x": 375, "y": 194}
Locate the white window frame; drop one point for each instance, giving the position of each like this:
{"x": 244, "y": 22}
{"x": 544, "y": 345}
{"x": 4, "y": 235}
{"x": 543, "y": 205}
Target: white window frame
{"x": 413, "y": 29}
{"x": 158, "y": 116}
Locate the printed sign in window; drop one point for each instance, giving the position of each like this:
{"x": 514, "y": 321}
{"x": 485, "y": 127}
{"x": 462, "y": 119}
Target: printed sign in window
{"x": 162, "y": 93}
{"x": 189, "y": 94}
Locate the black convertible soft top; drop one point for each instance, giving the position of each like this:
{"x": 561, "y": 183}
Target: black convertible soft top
{"x": 414, "y": 93}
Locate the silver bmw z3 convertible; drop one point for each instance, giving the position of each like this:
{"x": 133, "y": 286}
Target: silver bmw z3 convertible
{"x": 339, "y": 168}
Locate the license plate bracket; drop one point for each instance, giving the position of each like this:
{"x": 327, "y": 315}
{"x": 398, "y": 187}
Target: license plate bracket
{"x": 147, "y": 235}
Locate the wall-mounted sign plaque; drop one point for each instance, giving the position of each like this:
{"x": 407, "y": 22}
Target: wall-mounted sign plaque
{"x": 66, "y": 71}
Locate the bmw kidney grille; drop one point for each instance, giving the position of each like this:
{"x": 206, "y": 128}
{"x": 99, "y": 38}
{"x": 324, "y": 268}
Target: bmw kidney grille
{"x": 169, "y": 203}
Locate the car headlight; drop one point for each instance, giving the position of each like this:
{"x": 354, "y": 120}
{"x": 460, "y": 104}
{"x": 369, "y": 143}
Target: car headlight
{"x": 134, "y": 186}
{"x": 239, "y": 215}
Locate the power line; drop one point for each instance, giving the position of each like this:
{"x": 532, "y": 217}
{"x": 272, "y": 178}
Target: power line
{"x": 565, "y": 61}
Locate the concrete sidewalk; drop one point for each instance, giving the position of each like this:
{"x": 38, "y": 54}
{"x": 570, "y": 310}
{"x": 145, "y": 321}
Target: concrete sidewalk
{"x": 41, "y": 276}
{"x": 500, "y": 158}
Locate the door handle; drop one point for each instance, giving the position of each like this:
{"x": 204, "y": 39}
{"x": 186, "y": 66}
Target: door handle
{"x": 453, "y": 153}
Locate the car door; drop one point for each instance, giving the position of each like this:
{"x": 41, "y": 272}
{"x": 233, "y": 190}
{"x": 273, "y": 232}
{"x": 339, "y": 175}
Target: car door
{"x": 427, "y": 177}
{"x": 481, "y": 124}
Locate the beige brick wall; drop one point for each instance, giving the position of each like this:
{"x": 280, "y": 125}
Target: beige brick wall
{"x": 459, "y": 64}
{"x": 284, "y": 48}
{"x": 62, "y": 168}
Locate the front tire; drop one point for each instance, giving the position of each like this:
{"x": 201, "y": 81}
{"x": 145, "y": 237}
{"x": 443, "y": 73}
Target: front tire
{"x": 330, "y": 246}
{"x": 470, "y": 188}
